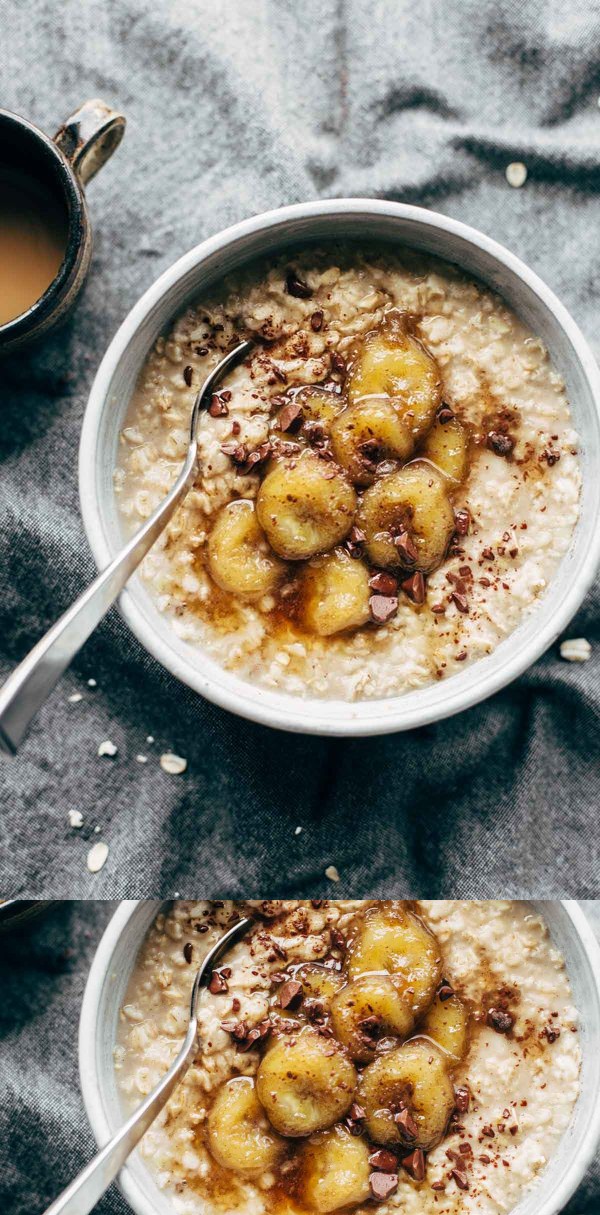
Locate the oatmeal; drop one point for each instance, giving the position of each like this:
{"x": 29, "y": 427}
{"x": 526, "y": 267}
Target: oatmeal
{"x": 387, "y": 484}
{"x": 423, "y": 1056}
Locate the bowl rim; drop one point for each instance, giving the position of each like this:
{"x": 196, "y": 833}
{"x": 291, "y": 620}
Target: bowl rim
{"x": 309, "y": 715}
{"x": 89, "y": 1025}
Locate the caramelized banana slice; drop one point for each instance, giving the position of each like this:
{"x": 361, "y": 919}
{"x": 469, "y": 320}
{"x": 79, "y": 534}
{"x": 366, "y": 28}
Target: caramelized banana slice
{"x": 447, "y": 446}
{"x": 447, "y": 1022}
{"x": 391, "y": 363}
{"x": 305, "y": 1083}
{"x": 412, "y": 501}
{"x": 239, "y": 1134}
{"x": 319, "y": 982}
{"x": 320, "y": 404}
{"x": 392, "y": 940}
{"x": 239, "y": 558}
{"x": 413, "y": 1077}
{"x": 305, "y": 505}
{"x": 334, "y": 594}
{"x": 333, "y": 1172}
{"x": 365, "y": 1010}
{"x": 367, "y": 432}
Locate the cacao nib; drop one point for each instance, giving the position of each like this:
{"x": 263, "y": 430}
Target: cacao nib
{"x": 296, "y": 286}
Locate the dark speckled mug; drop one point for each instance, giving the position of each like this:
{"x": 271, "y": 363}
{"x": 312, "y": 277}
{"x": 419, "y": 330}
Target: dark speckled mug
{"x": 63, "y": 166}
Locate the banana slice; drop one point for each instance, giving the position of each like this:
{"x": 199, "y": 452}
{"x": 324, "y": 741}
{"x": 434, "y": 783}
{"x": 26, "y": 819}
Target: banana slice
{"x": 414, "y": 501}
{"x": 391, "y": 363}
{"x": 333, "y": 1172}
{"x": 366, "y": 1010}
{"x": 447, "y": 446}
{"x": 319, "y": 982}
{"x": 367, "y": 432}
{"x": 447, "y": 1022}
{"x": 305, "y": 506}
{"x": 413, "y": 1077}
{"x": 394, "y": 941}
{"x": 305, "y": 1083}
{"x": 320, "y": 404}
{"x": 334, "y": 594}
{"x": 239, "y": 1135}
{"x": 239, "y": 558}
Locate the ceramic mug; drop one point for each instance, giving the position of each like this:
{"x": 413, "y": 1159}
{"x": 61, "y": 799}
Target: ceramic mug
{"x": 62, "y": 165}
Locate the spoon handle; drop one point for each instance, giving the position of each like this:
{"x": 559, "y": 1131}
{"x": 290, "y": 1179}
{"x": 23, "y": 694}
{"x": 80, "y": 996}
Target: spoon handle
{"x": 31, "y": 682}
{"x": 88, "y": 1187}
{"x": 86, "y": 1190}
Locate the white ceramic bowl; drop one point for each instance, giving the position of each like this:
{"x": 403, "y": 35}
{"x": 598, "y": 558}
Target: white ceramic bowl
{"x": 187, "y": 280}
{"x": 104, "y": 994}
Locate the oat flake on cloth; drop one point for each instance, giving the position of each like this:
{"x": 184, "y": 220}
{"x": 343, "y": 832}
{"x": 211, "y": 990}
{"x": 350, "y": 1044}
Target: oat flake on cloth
{"x": 234, "y": 108}
{"x": 44, "y": 1133}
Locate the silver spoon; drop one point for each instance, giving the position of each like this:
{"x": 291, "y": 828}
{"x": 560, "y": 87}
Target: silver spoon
{"x": 88, "y": 1187}
{"x": 31, "y": 682}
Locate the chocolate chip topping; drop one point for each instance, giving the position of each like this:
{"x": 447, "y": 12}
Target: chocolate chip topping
{"x": 296, "y": 286}
{"x": 384, "y": 1160}
{"x": 462, "y": 519}
{"x": 188, "y": 951}
{"x": 460, "y": 601}
{"x": 445, "y": 990}
{"x": 236, "y": 452}
{"x": 460, "y": 1178}
{"x": 316, "y": 321}
{"x": 338, "y": 364}
{"x": 415, "y": 1164}
{"x": 445, "y": 414}
{"x": 257, "y": 1034}
{"x": 384, "y": 583}
{"x": 383, "y": 1184}
{"x": 290, "y": 994}
{"x": 188, "y": 375}
{"x": 383, "y": 607}
{"x": 218, "y": 983}
{"x": 500, "y": 1020}
{"x": 290, "y": 416}
{"x": 500, "y": 444}
{"x": 414, "y": 587}
{"x": 218, "y": 407}
{"x": 406, "y": 1125}
{"x": 407, "y": 549}
{"x": 462, "y": 1097}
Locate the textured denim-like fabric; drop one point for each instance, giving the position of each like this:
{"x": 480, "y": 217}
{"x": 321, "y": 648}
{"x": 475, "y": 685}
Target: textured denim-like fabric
{"x": 44, "y": 1134}
{"x": 232, "y": 109}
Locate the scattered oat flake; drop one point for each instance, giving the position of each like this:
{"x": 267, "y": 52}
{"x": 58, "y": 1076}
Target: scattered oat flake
{"x": 332, "y": 873}
{"x": 75, "y": 698}
{"x": 150, "y": 739}
{"x": 75, "y": 818}
{"x": 142, "y": 759}
{"x": 173, "y": 764}
{"x": 576, "y": 649}
{"x": 92, "y": 683}
{"x": 107, "y": 748}
{"x": 298, "y": 830}
{"x": 516, "y": 173}
{"x": 96, "y": 856}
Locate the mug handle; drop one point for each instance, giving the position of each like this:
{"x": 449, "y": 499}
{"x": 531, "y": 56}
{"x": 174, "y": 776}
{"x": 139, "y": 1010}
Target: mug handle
{"x": 90, "y": 136}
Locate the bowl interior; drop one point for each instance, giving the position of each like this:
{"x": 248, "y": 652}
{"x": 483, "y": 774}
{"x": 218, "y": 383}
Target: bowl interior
{"x": 186, "y": 282}
{"x": 114, "y": 962}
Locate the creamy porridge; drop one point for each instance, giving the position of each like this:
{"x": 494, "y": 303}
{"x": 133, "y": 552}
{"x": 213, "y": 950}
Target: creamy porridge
{"x": 386, "y": 486}
{"x": 421, "y": 1057}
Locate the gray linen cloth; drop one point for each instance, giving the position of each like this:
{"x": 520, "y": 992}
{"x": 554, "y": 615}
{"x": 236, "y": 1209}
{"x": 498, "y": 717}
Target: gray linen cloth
{"x": 234, "y": 108}
{"x": 44, "y": 1134}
